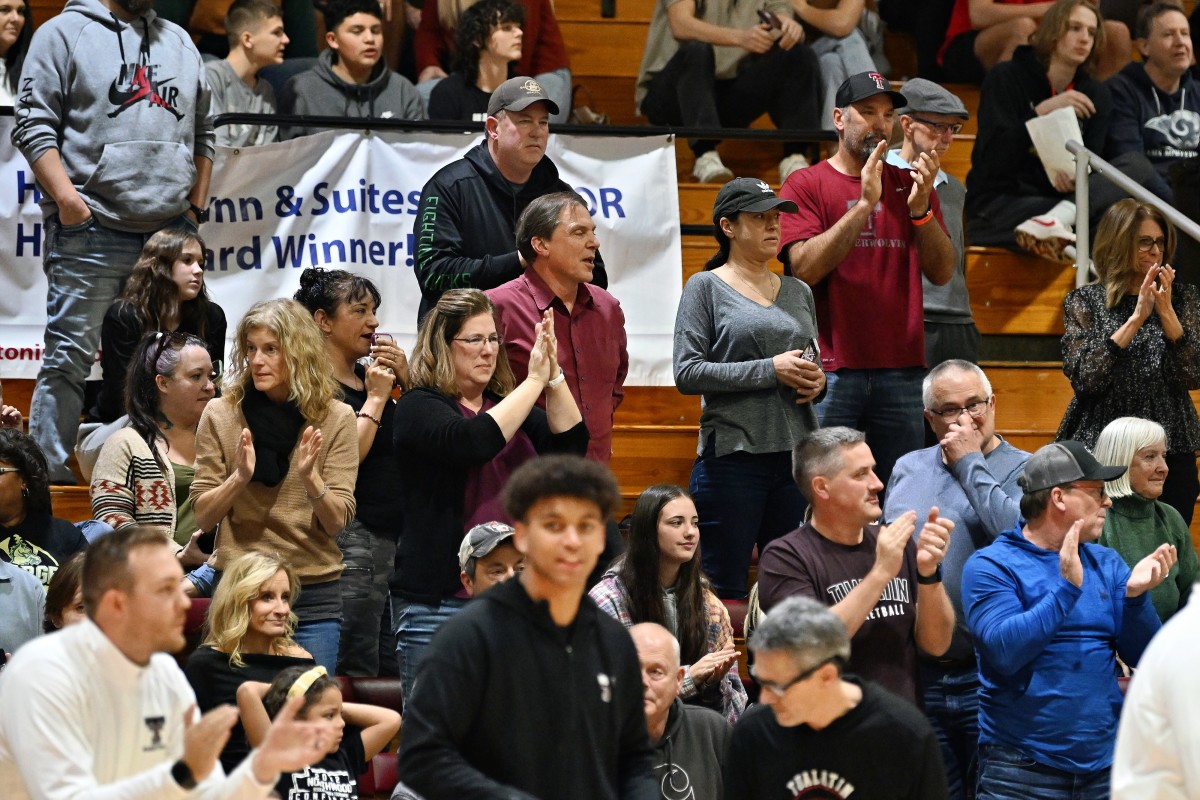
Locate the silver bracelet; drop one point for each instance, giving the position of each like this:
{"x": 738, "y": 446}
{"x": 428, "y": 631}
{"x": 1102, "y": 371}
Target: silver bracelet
{"x": 312, "y": 499}
{"x": 555, "y": 381}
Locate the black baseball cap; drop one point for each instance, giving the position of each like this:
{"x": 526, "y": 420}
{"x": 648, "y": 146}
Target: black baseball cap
{"x": 864, "y": 85}
{"x": 517, "y": 94}
{"x": 1063, "y": 462}
{"x": 748, "y": 194}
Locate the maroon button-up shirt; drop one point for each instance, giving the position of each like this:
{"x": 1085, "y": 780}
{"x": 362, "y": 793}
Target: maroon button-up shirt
{"x": 591, "y": 347}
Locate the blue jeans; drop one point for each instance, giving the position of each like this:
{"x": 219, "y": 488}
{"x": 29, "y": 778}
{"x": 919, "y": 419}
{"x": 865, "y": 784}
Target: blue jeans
{"x": 952, "y": 706}
{"x": 367, "y": 636}
{"x": 885, "y": 404}
{"x": 839, "y": 59}
{"x": 86, "y": 265}
{"x": 743, "y": 500}
{"x": 1008, "y": 774}
{"x": 415, "y": 624}
{"x": 320, "y": 638}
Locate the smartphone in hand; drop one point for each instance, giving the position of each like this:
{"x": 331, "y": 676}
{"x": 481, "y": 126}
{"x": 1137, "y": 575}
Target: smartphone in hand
{"x": 769, "y": 18}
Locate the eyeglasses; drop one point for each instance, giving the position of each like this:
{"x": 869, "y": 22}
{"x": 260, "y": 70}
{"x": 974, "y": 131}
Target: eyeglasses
{"x": 779, "y": 689}
{"x": 1088, "y": 490}
{"x": 5, "y": 470}
{"x": 975, "y": 410}
{"x": 1145, "y": 244}
{"x": 941, "y": 128}
{"x": 477, "y": 342}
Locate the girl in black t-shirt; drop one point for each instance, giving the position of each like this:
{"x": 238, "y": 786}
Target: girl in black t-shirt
{"x": 361, "y": 731}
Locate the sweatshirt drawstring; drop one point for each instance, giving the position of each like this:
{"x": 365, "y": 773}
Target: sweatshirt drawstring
{"x": 120, "y": 43}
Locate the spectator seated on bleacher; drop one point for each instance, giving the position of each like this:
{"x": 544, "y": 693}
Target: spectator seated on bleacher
{"x": 832, "y": 30}
{"x": 22, "y": 607}
{"x": 659, "y": 580}
{"x": 256, "y": 40}
{"x": 690, "y": 743}
{"x": 30, "y": 538}
{"x": 822, "y": 733}
{"x": 720, "y": 64}
{"x": 250, "y": 627}
{"x": 64, "y": 595}
{"x": 489, "y": 41}
{"x": 971, "y": 477}
{"x": 361, "y": 730}
{"x": 543, "y": 54}
{"x": 350, "y": 79}
{"x": 883, "y": 582}
{"x": 1010, "y": 199}
{"x": 984, "y": 33}
{"x": 473, "y": 204}
{"x": 1051, "y": 612}
{"x": 1156, "y": 103}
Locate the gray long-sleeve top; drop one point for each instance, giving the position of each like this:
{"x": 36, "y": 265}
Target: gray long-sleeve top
{"x": 724, "y": 346}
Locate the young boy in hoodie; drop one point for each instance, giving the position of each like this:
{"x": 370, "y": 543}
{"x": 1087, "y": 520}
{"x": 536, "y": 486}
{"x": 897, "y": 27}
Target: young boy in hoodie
{"x": 112, "y": 116}
{"x": 350, "y": 79}
{"x": 256, "y": 40}
{"x": 531, "y": 690}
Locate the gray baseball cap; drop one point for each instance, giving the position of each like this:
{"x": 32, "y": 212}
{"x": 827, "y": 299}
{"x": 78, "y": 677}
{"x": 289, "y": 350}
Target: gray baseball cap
{"x": 1064, "y": 462}
{"x": 517, "y": 94}
{"x": 481, "y": 540}
{"x": 931, "y": 98}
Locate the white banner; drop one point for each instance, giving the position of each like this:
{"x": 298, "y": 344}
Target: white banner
{"x": 349, "y": 201}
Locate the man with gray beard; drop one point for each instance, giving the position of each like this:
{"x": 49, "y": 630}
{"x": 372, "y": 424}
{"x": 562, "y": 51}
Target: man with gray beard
{"x": 863, "y": 235}
{"x": 112, "y": 115}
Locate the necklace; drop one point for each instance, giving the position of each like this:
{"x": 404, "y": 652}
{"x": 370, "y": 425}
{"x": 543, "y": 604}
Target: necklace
{"x": 775, "y": 290}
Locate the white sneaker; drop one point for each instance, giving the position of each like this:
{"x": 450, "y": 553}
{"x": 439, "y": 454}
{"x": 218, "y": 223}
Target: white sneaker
{"x": 790, "y": 164}
{"x": 709, "y": 169}
{"x": 1046, "y": 237}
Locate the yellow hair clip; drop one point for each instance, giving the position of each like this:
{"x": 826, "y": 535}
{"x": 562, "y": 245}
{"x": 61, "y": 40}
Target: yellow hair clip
{"x": 305, "y": 682}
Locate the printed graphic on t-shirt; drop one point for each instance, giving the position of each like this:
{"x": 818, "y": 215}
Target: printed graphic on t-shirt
{"x": 892, "y": 603}
{"x": 154, "y": 729}
{"x": 867, "y": 237}
{"x": 1182, "y": 131}
{"x": 28, "y": 556}
{"x": 674, "y": 783}
{"x": 315, "y": 783}
{"x": 819, "y": 784}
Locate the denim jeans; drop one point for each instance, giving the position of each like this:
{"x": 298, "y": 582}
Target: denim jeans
{"x": 86, "y": 266}
{"x": 367, "y": 636}
{"x": 743, "y": 499}
{"x": 1008, "y": 774}
{"x": 952, "y": 706}
{"x": 885, "y": 404}
{"x": 415, "y": 624}
{"x": 840, "y": 58}
{"x": 320, "y": 637}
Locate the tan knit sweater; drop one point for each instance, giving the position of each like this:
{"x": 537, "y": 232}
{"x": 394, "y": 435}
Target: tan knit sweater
{"x": 279, "y": 519}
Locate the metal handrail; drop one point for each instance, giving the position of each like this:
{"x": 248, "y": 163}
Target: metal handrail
{"x": 1085, "y": 158}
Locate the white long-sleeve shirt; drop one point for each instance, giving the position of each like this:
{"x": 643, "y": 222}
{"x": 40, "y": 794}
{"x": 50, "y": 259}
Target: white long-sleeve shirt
{"x": 1158, "y": 742}
{"x": 80, "y": 721}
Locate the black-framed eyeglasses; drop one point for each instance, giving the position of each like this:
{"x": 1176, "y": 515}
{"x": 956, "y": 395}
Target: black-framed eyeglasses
{"x": 1100, "y": 491}
{"x": 1145, "y": 244}
{"x": 975, "y": 410}
{"x": 779, "y": 689}
{"x": 478, "y": 341}
{"x": 941, "y": 128}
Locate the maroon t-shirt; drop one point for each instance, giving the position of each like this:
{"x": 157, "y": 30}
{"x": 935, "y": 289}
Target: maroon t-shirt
{"x": 870, "y": 309}
{"x": 806, "y": 563}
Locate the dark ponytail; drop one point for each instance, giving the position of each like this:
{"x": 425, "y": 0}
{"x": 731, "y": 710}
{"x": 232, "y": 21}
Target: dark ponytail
{"x": 721, "y": 257}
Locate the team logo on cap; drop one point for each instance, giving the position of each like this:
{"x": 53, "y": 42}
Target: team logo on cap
{"x": 764, "y": 187}
{"x": 879, "y": 81}
{"x": 532, "y": 86}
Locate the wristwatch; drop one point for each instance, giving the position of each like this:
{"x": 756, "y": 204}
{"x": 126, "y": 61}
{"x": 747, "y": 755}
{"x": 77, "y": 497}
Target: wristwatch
{"x": 182, "y": 774}
{"x": 936, "y": 577}
{"x": 202, "y": 214}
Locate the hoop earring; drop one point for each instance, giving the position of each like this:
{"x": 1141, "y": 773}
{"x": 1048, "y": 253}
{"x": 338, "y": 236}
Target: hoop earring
{"x": 25, "y": 491}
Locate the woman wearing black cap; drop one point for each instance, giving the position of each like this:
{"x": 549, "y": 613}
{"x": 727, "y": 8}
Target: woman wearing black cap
{"x": 746, "y": 339}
